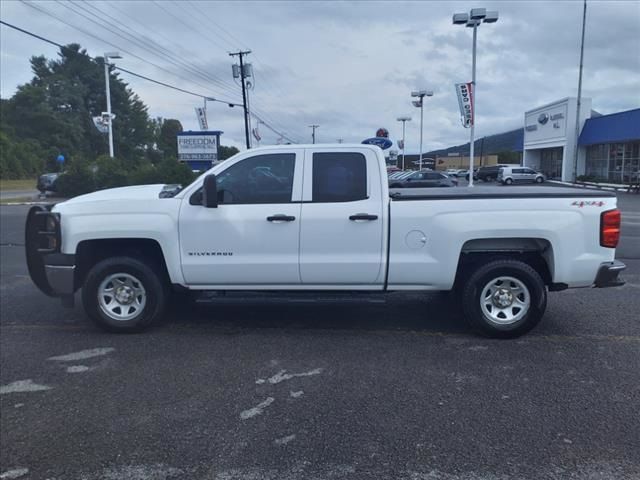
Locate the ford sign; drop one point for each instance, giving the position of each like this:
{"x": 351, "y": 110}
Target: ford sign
{"x": 382, "y": 142}
{"x": 543, "y": 118}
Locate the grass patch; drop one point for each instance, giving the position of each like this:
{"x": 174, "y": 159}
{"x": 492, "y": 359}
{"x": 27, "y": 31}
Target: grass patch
{"x": 5, "y": 201}
{"x": 28, "y": 184}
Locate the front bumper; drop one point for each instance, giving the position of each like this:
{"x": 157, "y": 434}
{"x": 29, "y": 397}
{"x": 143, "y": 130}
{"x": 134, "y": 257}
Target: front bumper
{"x": 607, "y": 275}
{"x": 51, "y": 271}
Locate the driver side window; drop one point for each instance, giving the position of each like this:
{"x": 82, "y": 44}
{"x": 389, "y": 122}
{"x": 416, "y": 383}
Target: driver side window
{"x": 260, "y": 179}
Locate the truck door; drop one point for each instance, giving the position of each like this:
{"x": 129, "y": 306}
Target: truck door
{"x": 341, "y": 234}
{"x": 252, "y": 238}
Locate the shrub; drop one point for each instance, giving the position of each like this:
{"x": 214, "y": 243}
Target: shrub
{"x": 111, "y": 173}
{"x": 77, "y": 179}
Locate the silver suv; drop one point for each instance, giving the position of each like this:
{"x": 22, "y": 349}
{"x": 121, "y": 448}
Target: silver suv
{"x": 509, "y": 175}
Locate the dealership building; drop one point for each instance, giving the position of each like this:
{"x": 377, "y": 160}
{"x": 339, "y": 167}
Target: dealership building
{"x": 608, "y": 145}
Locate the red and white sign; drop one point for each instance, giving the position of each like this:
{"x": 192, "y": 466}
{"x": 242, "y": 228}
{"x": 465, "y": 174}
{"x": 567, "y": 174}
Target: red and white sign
{"x": 465, "y": 101}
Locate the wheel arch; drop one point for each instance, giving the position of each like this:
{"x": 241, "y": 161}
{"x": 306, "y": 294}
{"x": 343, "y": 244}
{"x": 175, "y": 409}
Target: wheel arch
{"x": 90, "y": 252}
{"x": 536, "y": 252}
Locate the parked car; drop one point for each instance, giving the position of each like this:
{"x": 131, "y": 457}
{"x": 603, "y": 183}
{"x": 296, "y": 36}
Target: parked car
{"x": 337, "y": 227}
{"x": 47, "y": 182}
{"x": 452, "y": 171}
{"x": 462, "y": 173}
{"x": 509, "y": 175}
{"x": 489, "y": 173}
{"x": 422, "y": 179}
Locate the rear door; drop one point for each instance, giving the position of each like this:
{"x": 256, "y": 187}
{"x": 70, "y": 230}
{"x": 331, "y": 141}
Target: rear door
{"x": 341, "y": 234}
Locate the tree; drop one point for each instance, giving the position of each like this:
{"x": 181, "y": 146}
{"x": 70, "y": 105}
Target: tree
{"x": 226, "y": 152}
{"x": 56, "y": 107}
{"x": 167, "y": 139}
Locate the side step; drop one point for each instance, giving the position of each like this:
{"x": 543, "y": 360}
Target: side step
{"x": 227, "y": 296}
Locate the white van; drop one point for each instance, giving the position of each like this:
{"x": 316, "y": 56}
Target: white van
{"x": 509, "y": 175}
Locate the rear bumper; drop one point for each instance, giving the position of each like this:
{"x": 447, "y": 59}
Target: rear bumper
{"x": 608, "y": 274}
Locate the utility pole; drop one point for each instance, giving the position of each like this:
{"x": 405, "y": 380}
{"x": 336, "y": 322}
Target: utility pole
{"x": 575, "y": 152}
{"x": 340, "y": 140}
{"x": 313, "y": 132}
{"x": 242, "y": 75}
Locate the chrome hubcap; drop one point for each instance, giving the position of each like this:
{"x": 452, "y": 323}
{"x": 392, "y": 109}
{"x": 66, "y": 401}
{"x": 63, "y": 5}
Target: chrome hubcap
{"x": 121, "y": 296}
{"x": 505, "y": 300}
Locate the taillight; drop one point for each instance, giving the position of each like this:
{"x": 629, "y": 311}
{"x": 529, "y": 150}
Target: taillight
{"x": 610, "y": 228}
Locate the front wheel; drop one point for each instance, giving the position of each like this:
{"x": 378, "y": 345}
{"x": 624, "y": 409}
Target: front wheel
{"x": 539, "y": 179}
{"x": 508, "y": 181}
{"x": 504, "y": 299}
{"x": 122, "y": 294}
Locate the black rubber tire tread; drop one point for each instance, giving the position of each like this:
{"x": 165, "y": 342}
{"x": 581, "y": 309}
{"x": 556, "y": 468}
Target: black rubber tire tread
{"x": 154, "y": 286}
{"x": 483, "y": 274}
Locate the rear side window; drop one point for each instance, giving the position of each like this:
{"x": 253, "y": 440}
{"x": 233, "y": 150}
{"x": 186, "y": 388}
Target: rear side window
{"x": 339, "y": 177}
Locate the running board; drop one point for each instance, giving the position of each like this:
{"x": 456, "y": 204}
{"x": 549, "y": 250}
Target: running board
{"x": 290, "y": 297}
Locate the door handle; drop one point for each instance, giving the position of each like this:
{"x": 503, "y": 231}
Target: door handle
{"x": 363, "y": 216}
{"x": 281, "y": 218}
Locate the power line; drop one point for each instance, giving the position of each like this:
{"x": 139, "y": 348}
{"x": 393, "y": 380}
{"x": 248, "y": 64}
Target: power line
{"x": 144, "y": 77}
{"x": 256, "y": 104}
{"x": 148, "y": 45}
{"x": 153, "y": 50}
{"x": 75, "y": 27}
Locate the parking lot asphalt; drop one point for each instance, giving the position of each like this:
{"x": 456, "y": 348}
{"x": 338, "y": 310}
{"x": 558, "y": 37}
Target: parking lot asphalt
{"x": 255, "y": 389}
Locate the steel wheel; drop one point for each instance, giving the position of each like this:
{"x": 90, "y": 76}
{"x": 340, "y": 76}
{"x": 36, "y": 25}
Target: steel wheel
{"x": 121, "y": 296}
{"x": 505, "y": 300}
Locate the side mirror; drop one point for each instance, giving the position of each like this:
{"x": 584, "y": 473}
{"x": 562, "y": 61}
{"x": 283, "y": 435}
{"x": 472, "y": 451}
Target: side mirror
{"x": 210, "y": 192}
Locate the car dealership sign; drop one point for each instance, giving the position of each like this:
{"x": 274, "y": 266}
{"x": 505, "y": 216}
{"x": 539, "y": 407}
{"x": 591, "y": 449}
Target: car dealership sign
{"x": 381, "y": 139}
{"x": 465, "y": 101}
{"x": 198, "y": 146}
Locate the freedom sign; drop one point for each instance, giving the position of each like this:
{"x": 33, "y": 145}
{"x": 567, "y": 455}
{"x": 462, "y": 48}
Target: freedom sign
{"x": 465, "y": 101}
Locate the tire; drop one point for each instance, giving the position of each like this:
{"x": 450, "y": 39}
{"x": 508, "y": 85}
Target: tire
{"x": 138, "y": 311}
{"x": 539, "y": 179}
{"x": 521, "y": 282}
{"x": 508, "y": 181}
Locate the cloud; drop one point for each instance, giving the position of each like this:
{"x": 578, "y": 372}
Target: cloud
{"x": 349, "y": 66}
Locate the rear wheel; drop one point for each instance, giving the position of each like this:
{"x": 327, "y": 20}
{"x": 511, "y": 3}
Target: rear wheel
{"x": 122, "y": 294}
{"x": 504, "y": 299}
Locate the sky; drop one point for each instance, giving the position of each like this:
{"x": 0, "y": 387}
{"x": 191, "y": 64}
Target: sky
{"x": 346, "y": 66}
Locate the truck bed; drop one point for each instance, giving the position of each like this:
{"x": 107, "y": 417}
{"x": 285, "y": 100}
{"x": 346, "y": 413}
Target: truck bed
{"x": 493, "y": 191}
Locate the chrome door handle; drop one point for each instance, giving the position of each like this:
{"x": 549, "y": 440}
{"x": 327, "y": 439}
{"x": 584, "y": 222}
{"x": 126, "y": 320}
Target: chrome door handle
{"x": 281, "y": 218}
{"x": 363, "y": 216}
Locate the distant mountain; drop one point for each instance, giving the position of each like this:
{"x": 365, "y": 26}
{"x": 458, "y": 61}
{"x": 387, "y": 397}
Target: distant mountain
{"x": 502, "y": 142}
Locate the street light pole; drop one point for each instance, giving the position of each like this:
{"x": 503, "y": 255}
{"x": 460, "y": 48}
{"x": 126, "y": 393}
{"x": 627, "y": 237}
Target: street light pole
{"x": 473, "y": 105}
{"x": 107, "y": 56}
{"x": 473, "y": 20}
{"x": 420, "y": 103}
{"x": 404, "y": 120}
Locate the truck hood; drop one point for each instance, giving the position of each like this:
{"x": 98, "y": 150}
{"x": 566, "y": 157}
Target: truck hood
{"x": 137, "y": 192}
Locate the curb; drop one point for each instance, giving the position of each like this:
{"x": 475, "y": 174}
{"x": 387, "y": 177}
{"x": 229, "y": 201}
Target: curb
{"x": 624, "y": 188}
{"x": 13, "y": 204}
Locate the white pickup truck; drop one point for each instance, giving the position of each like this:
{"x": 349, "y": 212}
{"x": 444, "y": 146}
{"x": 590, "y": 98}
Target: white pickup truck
{"x": 321, "y": 218}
